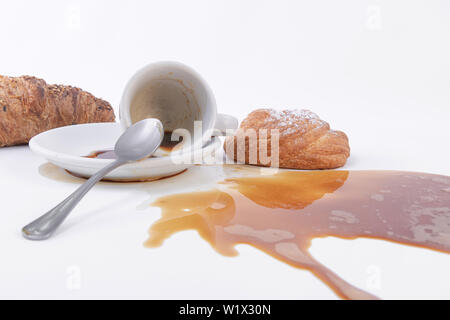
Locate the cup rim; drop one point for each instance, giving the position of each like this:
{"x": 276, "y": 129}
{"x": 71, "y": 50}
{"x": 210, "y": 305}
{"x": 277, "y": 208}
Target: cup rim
{"x": 124, "y": 113}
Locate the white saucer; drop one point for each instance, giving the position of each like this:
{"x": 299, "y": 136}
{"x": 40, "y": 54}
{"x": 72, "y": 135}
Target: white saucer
{"x": 67, "y": 147}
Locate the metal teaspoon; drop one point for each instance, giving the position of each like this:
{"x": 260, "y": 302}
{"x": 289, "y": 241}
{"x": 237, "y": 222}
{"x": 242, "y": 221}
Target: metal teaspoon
{"x": 137, "y": 142}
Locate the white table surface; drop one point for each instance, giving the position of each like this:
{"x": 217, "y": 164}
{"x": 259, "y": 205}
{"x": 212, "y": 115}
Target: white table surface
{"x": 377, "y": 70}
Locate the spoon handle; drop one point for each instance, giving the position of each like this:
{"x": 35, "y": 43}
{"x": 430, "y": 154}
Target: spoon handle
{"x": 43, "y": 227}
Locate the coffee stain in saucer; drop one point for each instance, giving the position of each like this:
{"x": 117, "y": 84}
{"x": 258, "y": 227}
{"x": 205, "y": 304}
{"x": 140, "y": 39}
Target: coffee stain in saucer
{"x": 282, "y": 213}
{"x": 167, "y": 144}
{"x": 102, "y": 154}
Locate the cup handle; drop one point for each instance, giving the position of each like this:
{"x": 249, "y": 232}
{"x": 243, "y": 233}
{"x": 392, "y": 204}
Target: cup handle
{"x": 226, "y": 122}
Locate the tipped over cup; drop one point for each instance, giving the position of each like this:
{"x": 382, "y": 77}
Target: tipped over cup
{"x": 181, "y": 99}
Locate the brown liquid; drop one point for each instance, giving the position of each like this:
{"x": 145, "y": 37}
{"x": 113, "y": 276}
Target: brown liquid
{"x": 135, "y": 180}
{"x": 167, "y": 144}
{"x": 53, "y": 172}
{"x": 281, "y": 214}
{"x": 103, "y": 154}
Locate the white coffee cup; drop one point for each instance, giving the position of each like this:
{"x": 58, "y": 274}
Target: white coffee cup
{"x": 178, "y": 96}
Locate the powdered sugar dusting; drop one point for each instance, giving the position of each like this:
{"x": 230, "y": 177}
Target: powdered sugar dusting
{"x": 293, "y": 121}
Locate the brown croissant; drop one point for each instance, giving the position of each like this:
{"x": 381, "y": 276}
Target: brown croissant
{"x": 305, "y": 141}
{"x": 29, "y": 106}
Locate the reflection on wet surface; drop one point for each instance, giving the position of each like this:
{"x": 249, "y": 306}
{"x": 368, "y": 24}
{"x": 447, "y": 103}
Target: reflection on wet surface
{"x": 280, "y": 214}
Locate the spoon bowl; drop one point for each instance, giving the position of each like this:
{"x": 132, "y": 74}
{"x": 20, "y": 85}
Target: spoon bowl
{"x": 140, "y": 140}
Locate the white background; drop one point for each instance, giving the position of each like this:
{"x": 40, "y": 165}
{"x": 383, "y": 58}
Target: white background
{"x": 379, "y": 70}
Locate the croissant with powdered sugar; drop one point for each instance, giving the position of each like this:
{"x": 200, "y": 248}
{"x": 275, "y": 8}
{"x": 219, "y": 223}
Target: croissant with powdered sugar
{"x": 304, "y": 141}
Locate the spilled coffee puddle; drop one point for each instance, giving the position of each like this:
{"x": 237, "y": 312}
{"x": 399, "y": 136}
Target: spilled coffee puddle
{"x": 282, "y": 213}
